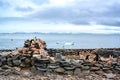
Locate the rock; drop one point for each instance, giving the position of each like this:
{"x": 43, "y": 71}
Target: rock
{"x": 16, "y": 62}
{"x": 9, "y": 62}
{"x": 53, "y": 66}
{"x": 0, "y": 63}
{"x": 77, "y": 71}
{"x": 5, "y": 67}
{"x": 27, "y": 74}
{"x": 86, "y": 64}
{"x": 85, "y": 67}
{"x": 81, "y": 60}
{"x": 59, "y": 70}
{"x": 85, "y": 71}
{"x": 68, "y": 72}
{"x": 95, "y": 68}
{"x": 58, "y": 56}
{"x": 110, "y": 75}
{"x": 33, "y": 69}
{"x": 70, "y": 68}
{"x": 42, "y": 69}
{"x": 73, "y": 61}
{"x": 64, "y": 63}
{"x": 27, "y": 61}
{"x": 16, "y": 72}
{"x": 17, "y": 68}
{"x": 22, "y": 65}
{"x": 106, "y": 68}
{"x": 98, "y": 65}
{"x": 4, "y": 60}
{"x": 99, "y": 72}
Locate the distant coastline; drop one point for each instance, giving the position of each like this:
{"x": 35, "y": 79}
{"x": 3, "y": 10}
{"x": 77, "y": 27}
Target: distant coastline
{"x": 58, "y": 33}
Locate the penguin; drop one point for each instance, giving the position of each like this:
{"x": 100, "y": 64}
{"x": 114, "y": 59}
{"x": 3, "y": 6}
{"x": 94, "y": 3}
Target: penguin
{"x": 87, "y": 57}
{"x": 97, "y": 57}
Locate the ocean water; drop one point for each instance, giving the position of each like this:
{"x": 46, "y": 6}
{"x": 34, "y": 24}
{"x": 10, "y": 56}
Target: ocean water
{"x": 16, "y": 40}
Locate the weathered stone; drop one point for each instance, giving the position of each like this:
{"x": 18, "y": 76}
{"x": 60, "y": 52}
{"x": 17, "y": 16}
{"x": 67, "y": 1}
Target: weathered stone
{"x": 42, "y": 69}
{"x": 15, "y": 72}
{"x": 16, "y": 62}
{"x": 17, "y": 68}
{"x": 68, "y": 72}
{"x": 100, "y": 72}
{"x": 85, "y": 71}
{"x": 98, "y": 65}
{"x": 70, "y": 68}
{"x": 59, "y": 56}
{"x": 85, "y": 67}
{"x": 33, "y": 69}
{"x": 64, "y": 64}
{"x": 53, "y": 66}
{"x": 95, "y": 68}
{"x": 59, "y": 70}
{"x": 77, "y": 71}
{"x": 86, "y": 64}
{"x": 22, "y": 65}
{"x": 5, "y": 67}
{"x": 27, "y": 61}
{"x": 110, "y": 75}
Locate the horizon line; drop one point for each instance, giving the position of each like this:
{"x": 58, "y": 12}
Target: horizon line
{"x": 53, "y": 33}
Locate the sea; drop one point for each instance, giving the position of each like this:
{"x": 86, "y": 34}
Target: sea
{"x": 60, "y": 40}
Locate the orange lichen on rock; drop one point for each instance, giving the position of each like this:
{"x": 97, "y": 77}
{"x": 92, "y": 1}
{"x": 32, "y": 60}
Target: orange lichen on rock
{"x": 34, "y": 46}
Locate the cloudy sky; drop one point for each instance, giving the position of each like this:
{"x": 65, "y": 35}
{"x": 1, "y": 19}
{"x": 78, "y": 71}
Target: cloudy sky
{"x": 76, "y": 16}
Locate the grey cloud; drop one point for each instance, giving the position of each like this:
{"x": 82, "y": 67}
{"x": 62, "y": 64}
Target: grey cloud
{"x": 39, "y": 2}
{"x": 83, "y": 12}
{"x": 4, "y": 4}
{"x": 24, "y": 9}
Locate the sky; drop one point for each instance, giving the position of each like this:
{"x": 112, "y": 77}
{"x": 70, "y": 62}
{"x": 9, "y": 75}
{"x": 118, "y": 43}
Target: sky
{"x": 62, "y": 16}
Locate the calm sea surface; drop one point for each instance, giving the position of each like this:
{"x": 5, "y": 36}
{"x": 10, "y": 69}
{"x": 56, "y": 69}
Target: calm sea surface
{"x": 12, "y": 41}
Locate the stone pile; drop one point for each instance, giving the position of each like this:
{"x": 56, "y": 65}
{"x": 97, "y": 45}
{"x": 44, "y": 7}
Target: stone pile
{"x": 34, "y": 56}
{"x": 24, "y": 57}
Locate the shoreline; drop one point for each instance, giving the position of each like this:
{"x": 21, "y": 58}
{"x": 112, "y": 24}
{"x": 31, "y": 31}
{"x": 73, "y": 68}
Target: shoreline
{"x": 68, "y": 49}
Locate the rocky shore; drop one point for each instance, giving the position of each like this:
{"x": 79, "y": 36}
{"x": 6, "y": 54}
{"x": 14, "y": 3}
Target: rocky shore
{"x": 35, "y": 62}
